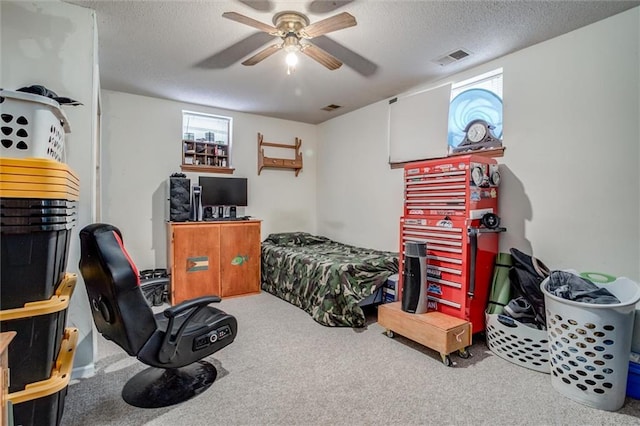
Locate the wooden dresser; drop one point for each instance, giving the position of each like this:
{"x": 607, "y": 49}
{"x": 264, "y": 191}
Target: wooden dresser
{"x": 213, "y": 258}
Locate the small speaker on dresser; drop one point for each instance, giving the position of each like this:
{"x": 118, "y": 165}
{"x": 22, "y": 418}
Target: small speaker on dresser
{"x": 232, "y": 211}
{"x": 179, "y": 199}
{"x": 207, "y": 212}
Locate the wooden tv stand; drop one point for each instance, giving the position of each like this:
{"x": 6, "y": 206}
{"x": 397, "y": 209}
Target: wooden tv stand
{"x": 435, "y": 330}
{"x": 213, "y": 259}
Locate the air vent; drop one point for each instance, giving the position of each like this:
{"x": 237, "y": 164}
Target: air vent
{"x": 455, "y": 56}
{"x": 331, "y": 107}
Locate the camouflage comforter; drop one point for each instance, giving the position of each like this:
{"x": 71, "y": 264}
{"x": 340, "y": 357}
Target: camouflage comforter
{"x": 325, "y": 278}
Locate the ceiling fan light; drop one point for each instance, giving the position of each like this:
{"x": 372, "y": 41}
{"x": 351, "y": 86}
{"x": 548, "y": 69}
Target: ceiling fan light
{"x": 292, "y": 59}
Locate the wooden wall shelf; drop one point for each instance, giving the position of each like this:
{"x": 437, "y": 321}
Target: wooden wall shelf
{"x": 279, "y": 163}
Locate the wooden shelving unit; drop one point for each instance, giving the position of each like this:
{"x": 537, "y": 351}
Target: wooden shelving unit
{"x": 205, "y": 156}
{"x": 279, "y": 163}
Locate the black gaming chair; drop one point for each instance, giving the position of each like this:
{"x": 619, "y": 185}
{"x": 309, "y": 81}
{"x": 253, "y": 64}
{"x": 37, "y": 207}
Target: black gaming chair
{"x": 172, "y": 342}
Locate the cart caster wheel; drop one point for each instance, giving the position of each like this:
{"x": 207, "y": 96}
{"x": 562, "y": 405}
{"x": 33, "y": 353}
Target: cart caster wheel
{"x": 389, "y": 334}
{"x": 464, "y": 354}
{"x": 446, "y": 360}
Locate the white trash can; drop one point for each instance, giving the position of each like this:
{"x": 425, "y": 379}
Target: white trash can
{"x": 589, "y": 345}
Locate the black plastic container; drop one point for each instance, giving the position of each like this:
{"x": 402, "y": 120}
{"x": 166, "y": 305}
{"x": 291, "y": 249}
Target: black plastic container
{"x": 35, "y": 203}
{"x": 36, "y": 220}
{"x": 43, "y": 403}
{"x": 33, "y": 260}
{"x": 35, "y": 212}
{"x": 40, "y": 328}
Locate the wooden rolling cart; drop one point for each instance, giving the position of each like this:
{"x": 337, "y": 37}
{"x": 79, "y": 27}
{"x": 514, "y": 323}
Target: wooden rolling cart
{"x": 441, "y": 332}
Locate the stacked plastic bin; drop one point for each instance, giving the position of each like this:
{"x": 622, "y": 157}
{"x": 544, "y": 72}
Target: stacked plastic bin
{"x": 38, "y": 205}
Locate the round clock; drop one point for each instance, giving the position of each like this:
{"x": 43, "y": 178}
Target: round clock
{"x": 476, "y": 131}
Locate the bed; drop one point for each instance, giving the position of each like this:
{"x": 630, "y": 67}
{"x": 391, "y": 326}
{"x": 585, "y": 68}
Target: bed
{"x": 327, "y": 279}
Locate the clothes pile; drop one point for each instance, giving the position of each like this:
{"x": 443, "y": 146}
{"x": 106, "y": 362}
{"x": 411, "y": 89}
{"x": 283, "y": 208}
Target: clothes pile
{"x": 527, "y": 302}
{"x": 525, "y": 275}
{"x": 573, "y": 287}
{"x": 38, "y": 89}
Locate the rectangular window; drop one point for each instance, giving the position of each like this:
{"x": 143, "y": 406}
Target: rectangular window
{"x": 478, "y": 99}
{"x": 206, "y": 142}
{"x": 491, "y": 81}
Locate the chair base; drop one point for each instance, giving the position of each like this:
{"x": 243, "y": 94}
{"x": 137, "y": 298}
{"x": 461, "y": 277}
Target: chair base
{"x": 158, "y": 387}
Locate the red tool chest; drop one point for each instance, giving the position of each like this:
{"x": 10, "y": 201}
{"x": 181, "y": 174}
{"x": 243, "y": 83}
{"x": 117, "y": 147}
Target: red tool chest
{"x": 444, "y": 202}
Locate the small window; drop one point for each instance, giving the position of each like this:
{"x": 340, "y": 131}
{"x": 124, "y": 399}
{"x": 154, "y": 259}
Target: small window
{"x": 478, "y": 98}
{"x": 206, "y": 142}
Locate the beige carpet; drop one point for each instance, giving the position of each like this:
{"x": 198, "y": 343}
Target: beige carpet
{"x": 284, "y": 368}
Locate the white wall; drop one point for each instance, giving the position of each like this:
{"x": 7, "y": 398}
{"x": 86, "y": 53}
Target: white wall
{"x": 142, "y": 148}
{"x": 359, "y": 197}
{"x": 54, "y": 44}
{"x": 571, "y": 182}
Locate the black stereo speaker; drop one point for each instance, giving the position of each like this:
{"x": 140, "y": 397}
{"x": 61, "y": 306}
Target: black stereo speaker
{"x": 179, "y": 199}
{"x": 232, "y": 211}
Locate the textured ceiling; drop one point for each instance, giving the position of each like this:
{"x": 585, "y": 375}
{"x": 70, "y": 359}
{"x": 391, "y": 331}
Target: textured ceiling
{"x": 186, "y": 51}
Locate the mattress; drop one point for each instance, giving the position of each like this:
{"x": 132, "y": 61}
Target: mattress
{"x": 325, "y": 278}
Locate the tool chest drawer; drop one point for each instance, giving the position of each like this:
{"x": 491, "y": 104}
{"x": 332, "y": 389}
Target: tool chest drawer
{"x": 451, "y": 187}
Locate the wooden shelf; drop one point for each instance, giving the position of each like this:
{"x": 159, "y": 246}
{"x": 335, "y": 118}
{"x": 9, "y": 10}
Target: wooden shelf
{"x": 206, "y": 169}
{"x": 205, "y": 156}
{"x": 279, "y": 163}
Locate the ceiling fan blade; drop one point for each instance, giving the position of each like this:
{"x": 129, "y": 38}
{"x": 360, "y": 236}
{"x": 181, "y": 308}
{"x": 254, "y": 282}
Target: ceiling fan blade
{"x": 356, "y": 62}
{"x": 259, "y": 5}
{"x": 334, "y": 23}
{"x": 319, "y": 55}
{"x": 234, "y": 16}
{"x": 234, "y": 53}
{"x": 324, "y": 6}
{"x": 263, "y": 54}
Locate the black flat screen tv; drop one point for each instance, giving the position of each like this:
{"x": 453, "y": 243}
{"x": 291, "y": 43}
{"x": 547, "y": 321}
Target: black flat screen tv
{"x": 223, "y": 191}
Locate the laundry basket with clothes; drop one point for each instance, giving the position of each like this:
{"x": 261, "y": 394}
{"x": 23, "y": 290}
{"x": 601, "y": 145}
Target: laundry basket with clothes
{"x": 590, "y": 327}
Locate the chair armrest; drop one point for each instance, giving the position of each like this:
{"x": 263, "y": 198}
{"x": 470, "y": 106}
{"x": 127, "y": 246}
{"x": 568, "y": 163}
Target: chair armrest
{"x": 188, "y": 304}
{"x": 170, "y": 342}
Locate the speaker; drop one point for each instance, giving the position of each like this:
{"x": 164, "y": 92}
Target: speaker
{"x": 207, "y": 212}
{"x": 414, "y": 278}
{"x": 196, "y": 204}
{"x": 232, "y": 211}
{"x": 220, "y": 211}
{"x": 179, "y": 199}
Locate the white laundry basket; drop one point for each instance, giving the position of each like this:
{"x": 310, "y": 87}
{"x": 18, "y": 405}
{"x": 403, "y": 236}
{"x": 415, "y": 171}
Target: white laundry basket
{"x": 590, "y": 344}
{"x": 517, "y": 343}
{"x": 31, "y": 126}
